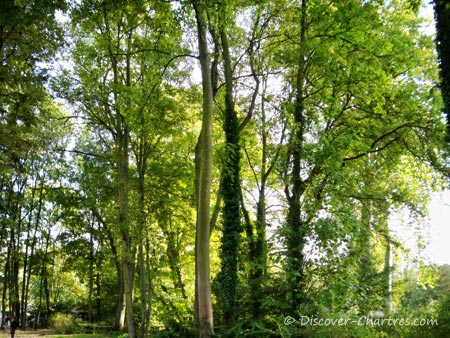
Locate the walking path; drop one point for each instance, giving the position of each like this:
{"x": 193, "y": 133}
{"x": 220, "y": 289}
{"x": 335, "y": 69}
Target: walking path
{"x": 30, "y": 333}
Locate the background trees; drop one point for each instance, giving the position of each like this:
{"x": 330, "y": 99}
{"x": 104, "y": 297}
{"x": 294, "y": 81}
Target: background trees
{"x": 310, "y": 124}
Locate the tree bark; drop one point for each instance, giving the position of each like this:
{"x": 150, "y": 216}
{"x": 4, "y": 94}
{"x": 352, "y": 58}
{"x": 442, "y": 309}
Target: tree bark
{"x": 231, "y": 232}
{"x": 127, "y": 259}
{"x": 258, "y": 245}
{"x": 442, "y": 15}
{"x": 203, "y": 278}
{"x": 295, "y": 235}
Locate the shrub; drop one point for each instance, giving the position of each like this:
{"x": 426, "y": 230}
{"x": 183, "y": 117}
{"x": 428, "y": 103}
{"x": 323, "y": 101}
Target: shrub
{"x": 63, "y": 323}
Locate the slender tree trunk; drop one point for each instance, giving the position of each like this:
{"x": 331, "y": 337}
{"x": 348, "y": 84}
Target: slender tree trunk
{"x": 203, "y": 278}
{"x": 173, "y": 255}
{"x": 91, "y": 276}
{"x": 28, "y": 266}
{"x": 122, "y": 157}
{"x": 442, "y": 15}
{"x": 258, "y": 249}
{"x": 15, "y": 299}
{"x": 364, "y": 247}
{"x": 14, "y": 244}
{"x": 296, "y": 231}
{"x": 143, "y": 277}
{"x": 3, "y": 235}
{"x": 197, "y": 203}
{"x": 5, "y": 288}
{"x": 387, "y": 270}
{"x": 142, "y": 163}
{"x": 127, "y": 259}
{"x": 47, "y": 295}
{"x": 26, "y": 258}
{"x": 119, "y": 322}
{"x": 230, "y": 192}
{"x": 98, "y": 299}
{"x": 258, "y": 246}
{"x": 16, "y": 198}
{"x": 144, "y": 273}
{"x": 121, "y": 307}
{"x": 43, "y": 288}
{"x": 150, "y": 273}
{"x": 388, "y": 277}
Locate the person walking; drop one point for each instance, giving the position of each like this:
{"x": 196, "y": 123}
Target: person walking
{"x": 7, "y": 321}
{"x": 14, "y": 326}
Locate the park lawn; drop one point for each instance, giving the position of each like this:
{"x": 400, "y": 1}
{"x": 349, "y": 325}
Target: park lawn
{"x": 84, "y": 335}
{"x": 53, "y": 334}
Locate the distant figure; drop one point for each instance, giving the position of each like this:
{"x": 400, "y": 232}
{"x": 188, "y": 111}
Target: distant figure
{"x": 7, "y": 321}
{"x": 14, "y": 326}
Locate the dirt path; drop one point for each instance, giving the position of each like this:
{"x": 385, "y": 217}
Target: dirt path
{"x": 27, "y": 333}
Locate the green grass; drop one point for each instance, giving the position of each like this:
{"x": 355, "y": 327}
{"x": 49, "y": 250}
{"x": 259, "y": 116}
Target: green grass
{"x": 51, "y": 334}
{"x": 86, "y": 335}
{"x": 80, "y": 335}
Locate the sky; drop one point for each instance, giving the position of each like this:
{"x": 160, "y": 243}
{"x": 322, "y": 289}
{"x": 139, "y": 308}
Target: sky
{"x": 438, "y": 248}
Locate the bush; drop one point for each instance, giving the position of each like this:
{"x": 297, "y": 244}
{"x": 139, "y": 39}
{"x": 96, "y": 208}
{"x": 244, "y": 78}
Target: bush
{"x": 63, "y": 323}
{"x": 442, "y": 330}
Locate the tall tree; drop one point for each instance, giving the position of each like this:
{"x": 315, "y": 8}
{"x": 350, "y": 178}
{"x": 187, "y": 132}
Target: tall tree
{"x": 296, "y": 228}
{"x": 230, "y": 179}
{"x": 116, "y": 25}
{"x": 203, "y": 181}
{"x": 29, "y": 34}
{"x": 442, "y": 15}
{"x": 344, "y": 89}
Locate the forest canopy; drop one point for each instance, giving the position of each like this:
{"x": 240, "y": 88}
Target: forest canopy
{"x": 222, "y": 168}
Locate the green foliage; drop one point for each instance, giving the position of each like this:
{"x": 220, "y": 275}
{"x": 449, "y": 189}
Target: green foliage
{"x": 332, "y": 105}
{"x": 29, "y": 35}
{"x": 63, "y": 323}
{"x": 443, "y": 317}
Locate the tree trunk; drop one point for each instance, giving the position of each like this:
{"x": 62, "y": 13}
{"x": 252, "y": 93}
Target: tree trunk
{"x": 150, "y": 273}
{"x": 258, "y": 245}
{"x": 173, "y": 256}
{"x": 203, "y": 278}
{"x": 122, "y": 157}
{"x": 231, "y": 232}
{"x": 119, "y": 323}
{"x": 296, "y": 231}
{"x": 365, "y": 267}
{"x": 5, "y": 289}
{"x": 142, "y": 154}
{"x": 442, "y": 15}
{"x": 98, "y": 299}
{"x": 388, "y": 277}
{"x": 127, "y": 259}
{"x": 28, "y": 264}
{"x": 91, "y": 274}
{"x": 387, "y": 269}
{"x": 14, "y": 271}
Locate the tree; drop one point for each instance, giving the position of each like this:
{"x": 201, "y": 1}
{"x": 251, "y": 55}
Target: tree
{"x": 344, "y": 89}
{"x": 442, "y": 15}
{"x": 230, "y": 182}
{"x": 29, "y": 34}
{"x": 203, "y": 181}
{"x": 325, "y": 120}
{"x": 132, "y": 84}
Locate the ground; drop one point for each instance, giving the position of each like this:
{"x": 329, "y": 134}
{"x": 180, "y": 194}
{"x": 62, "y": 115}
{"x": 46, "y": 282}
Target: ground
{"x": 29, "y": 333}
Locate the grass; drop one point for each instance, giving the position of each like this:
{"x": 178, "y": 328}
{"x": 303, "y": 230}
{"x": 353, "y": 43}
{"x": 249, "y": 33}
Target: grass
{"x": 85, "y": 335}
{"x": 29, "y": 333}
